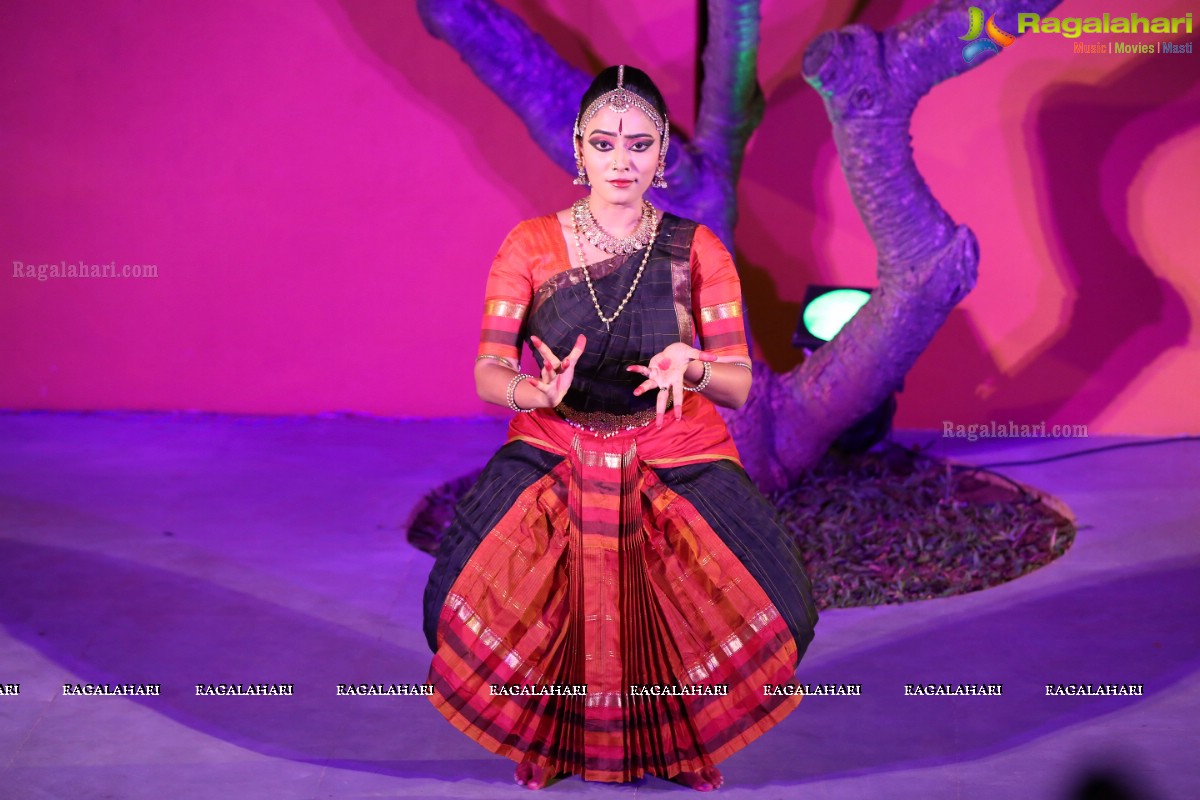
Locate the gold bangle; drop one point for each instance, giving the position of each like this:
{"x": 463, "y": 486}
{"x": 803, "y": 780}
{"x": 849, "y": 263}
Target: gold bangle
{"x": 501, "y": 359}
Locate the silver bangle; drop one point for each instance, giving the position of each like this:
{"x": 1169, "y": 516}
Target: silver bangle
{"x": 703, "y": 381}
{"x": 743, "y": 364}
{"x": 512, "y": 393}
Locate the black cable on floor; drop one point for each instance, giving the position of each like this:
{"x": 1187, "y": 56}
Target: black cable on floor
{"x": 1090, "y": 450}
{"x": 913, "y": 451}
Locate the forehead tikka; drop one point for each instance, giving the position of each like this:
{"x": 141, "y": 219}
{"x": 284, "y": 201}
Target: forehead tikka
{"x": 621, "y": 100}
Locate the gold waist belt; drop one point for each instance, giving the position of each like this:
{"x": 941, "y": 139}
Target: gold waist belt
{"x": 604, "y": 424}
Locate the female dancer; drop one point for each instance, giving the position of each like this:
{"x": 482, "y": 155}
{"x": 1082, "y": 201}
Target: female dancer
{"x": 615, "y": 598}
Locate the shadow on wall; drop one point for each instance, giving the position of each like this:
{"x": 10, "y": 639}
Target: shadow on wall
{"x": 1120, "y": 316}
{"x": 391, "y": 37}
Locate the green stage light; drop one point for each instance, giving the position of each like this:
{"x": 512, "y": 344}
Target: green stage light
{"x": 826, "y": 315}
{"x": 826, "y": 309}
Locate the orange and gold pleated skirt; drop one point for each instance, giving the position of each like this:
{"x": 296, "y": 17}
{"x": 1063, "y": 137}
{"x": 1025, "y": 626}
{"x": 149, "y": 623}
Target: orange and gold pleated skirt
{"x": 603, "y": 628}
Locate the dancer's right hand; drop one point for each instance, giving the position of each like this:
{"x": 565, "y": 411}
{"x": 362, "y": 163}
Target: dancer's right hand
{"x": 556, "y": 375}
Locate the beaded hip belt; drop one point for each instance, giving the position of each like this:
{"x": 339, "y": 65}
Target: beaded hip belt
{"x": 604, "y": 424}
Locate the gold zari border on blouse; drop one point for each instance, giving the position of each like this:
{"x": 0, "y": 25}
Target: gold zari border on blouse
{"x": 721, "y": 311}
{"x": 504, "y": 308}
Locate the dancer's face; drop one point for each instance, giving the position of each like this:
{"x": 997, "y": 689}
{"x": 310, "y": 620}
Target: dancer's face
{"x": 620, "y": 154}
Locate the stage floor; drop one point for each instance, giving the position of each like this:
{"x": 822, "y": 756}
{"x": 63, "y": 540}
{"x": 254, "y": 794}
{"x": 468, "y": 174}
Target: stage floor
{"x": 197, "y": 549}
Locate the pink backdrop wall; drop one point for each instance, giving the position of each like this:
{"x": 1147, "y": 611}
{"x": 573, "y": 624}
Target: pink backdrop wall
{"x": 321, "y": 187}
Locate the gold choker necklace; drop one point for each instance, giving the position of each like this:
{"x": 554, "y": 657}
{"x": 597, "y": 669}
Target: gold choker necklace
{"x": 601, "y": 239}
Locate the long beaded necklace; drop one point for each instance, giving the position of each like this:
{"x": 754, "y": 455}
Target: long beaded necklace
{"x": 592, "y": 289}
{"x": 603, "y": 240}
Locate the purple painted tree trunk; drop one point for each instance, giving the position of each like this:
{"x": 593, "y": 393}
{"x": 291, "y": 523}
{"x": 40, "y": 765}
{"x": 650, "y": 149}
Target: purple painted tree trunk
{"x": 871, "y": 82}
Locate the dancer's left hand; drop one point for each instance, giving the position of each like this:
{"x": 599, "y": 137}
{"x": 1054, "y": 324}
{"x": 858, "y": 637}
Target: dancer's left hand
{"x": 665, "y": 373}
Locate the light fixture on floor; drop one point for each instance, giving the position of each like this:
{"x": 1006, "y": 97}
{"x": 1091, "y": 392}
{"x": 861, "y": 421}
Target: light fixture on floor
{"x": 825, "y": 311}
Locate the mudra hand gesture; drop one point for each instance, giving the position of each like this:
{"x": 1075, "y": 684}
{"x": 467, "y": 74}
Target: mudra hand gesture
{"x": 556, "y": 374}
{"x": 665, "y": 373}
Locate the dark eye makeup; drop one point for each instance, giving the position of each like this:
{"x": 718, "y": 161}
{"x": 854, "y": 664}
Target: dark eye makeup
{"x": 604, "y": 145}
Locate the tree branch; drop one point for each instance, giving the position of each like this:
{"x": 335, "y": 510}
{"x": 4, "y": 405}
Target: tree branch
{"x": 871, "y": 83}
{"x": 731, "y": 102}
{"x": 518, "y": 65}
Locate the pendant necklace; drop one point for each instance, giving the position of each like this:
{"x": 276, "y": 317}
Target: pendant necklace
{"x": 648, "y": 244}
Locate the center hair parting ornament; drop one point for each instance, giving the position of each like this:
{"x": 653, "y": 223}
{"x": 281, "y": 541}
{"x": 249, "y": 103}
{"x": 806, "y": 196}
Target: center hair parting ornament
{"x": 621, "y": 100}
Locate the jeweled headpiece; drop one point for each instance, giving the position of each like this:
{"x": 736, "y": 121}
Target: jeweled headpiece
{"x": 621, "y": 100}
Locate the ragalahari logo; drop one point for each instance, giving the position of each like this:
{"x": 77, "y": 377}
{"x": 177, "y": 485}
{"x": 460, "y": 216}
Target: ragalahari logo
{"x": 997, "y": 38}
